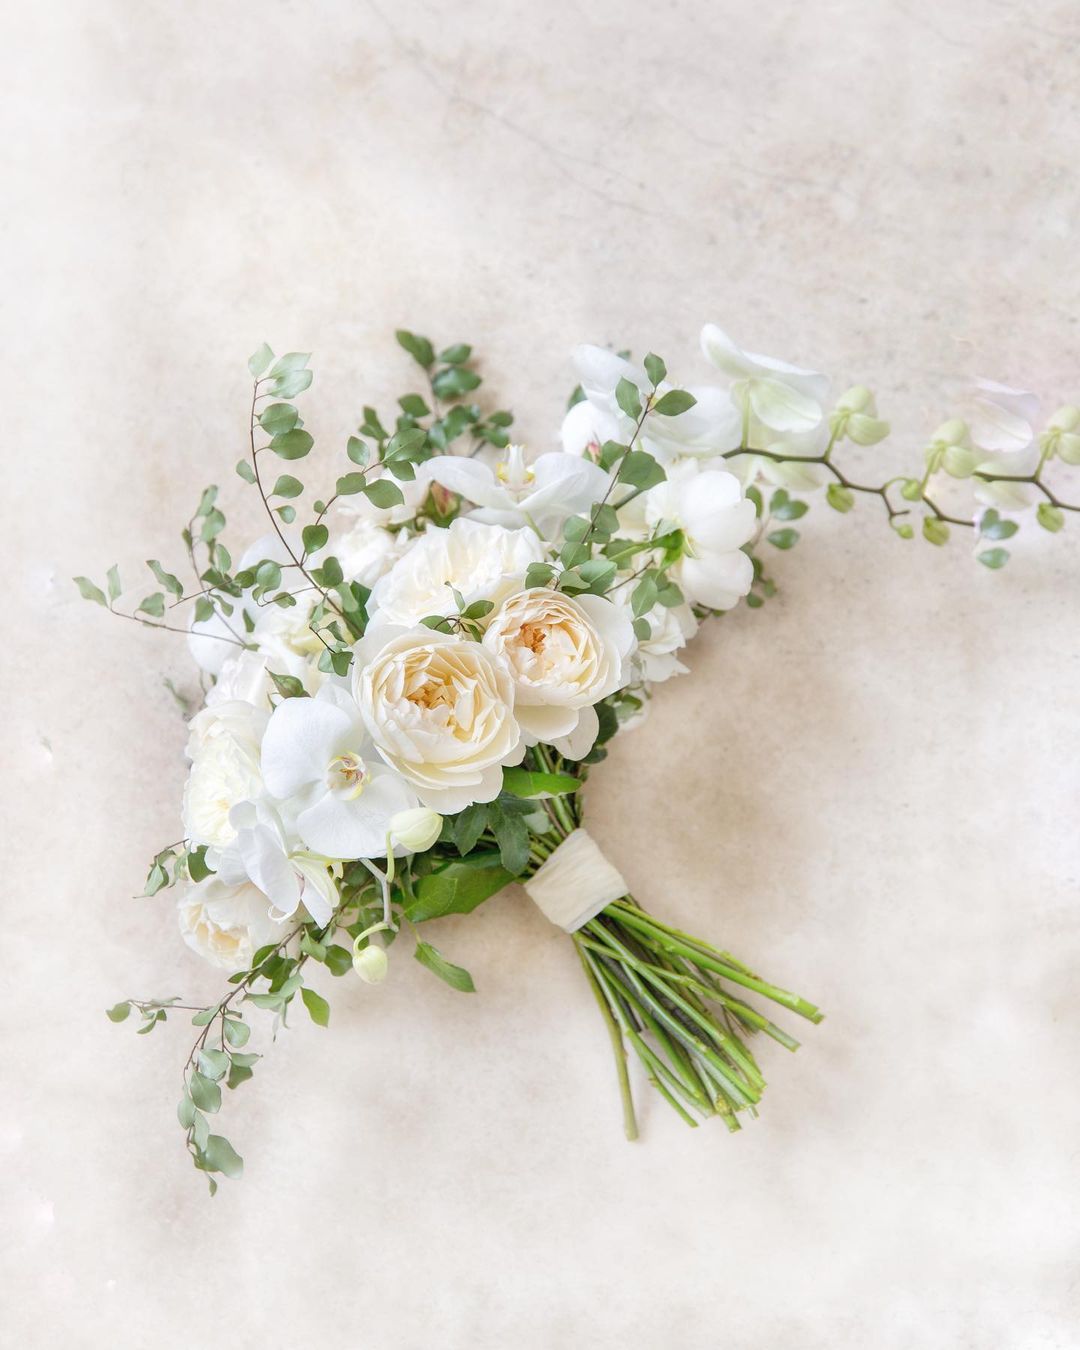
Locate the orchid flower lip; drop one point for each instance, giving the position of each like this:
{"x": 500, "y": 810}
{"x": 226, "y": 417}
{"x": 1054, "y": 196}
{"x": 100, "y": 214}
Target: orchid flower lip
{"x": 347, "y": 775}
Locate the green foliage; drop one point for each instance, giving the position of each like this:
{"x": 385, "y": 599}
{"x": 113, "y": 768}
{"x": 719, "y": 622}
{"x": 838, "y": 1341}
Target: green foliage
{"x": 457, "y": 888}
{"x": 528, "y": 783}
{"x": 628, "y": 397}
{"x": 317, "y": 1006}
{"x": 455, "y": 976}
{"x": 674, "y": 403}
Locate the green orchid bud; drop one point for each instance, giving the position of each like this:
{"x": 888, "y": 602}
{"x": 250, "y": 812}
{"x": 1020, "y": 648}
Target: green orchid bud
{"x": 952, "y": 433}
{"x": 1062, "y": 435}
{"x": 959, "y": 461}
{"x": 371, "y": 964}
{"x": 416, "y": 830}
{"x": 855, "y": 416}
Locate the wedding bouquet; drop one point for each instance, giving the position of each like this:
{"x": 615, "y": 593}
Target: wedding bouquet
{"x": 404, "y": 694}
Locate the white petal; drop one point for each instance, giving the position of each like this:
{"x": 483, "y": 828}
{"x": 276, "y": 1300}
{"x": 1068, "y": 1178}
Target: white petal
{"x": 582, "y": 739}
{"x": 600, "y": 370}
{"x": 469, "y": 478}
{"x": 545, "y": 722}
{"x": 783, "y": 408}
{"x": 302, "y": 737}
{"x": 267, "y": 866}
{"x": 718, "y": 580}
{"x": 356, "y": 829}
{"x": 587, "y": 424}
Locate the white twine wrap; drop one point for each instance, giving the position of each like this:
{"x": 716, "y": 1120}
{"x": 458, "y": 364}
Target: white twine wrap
{"x": 575, "y": 883}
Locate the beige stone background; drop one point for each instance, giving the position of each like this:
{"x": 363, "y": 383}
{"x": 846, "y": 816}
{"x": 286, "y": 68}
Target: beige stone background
{"x": 869, "y": 788}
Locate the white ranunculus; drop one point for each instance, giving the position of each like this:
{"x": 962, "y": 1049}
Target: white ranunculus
{"x": 317, "y": 757}
{"x": 564, "y": 654}
{"x": 364, "y": 548}
{"x": 716, "y": 521}
{"x": 223, "y": 745}
{"x": 440, "y": 709}
{"x": 710, "y": 427}
{"x": 781, "y": 409}
{"x": 269, "y": 855}
{"x": 225, "y": 924}
{"x": 514, "y": 494}
{"x": 482, "y": 562}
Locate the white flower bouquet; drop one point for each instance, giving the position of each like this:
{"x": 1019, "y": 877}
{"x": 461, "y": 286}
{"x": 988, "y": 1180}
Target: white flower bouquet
{"x": 404, "y": 695}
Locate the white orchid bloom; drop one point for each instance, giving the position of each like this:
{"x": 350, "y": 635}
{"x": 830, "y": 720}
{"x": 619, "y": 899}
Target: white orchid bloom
{"x": 716, "y": 520}
{"x": 318, "y": 757}
{"x": 542, "y": 494}
{"x": 710, "y": 427}
{"x": 781, "y": 409}
{"x": 1001, "y": 434}
{"x": 268, "y": 855}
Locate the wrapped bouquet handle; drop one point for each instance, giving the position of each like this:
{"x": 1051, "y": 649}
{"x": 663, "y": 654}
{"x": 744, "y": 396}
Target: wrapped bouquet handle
{"x": 575, "y": 882}
{"x": 406, "y": 683}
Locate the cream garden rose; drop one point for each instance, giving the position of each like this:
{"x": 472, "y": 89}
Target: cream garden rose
{"x": 564, "y": 654}
{"x": 226, "y": 925}
{"x": 440, "y": 710}
{"x": 223, "y": 745}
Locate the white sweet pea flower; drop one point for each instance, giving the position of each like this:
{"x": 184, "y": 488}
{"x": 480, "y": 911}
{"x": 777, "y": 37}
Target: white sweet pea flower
{"x": 781, "y": 409}
{"x": 513, "y": 494}
{"x": 482, "y": 562}
{"x": 564, "y": 654}
{"x": 223, "y": 746}
{"x": 269, "y": 856}
{"x": 317, "y": 756}
{"x": 1000, "y": 424}
{"x": 710, "y": 427}
{"x": 225, "y": 924}
{"x": 670, "y": 628}
{"x": 440, "y": 709}
{"x": 716, "y": 521}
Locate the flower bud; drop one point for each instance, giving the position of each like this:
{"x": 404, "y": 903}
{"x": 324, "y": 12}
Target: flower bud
{"x": 1062, "y": 435}
{"x": 855, "y": 416}
{"x": 371, "y": 964}
{"x": 416, "y": 830}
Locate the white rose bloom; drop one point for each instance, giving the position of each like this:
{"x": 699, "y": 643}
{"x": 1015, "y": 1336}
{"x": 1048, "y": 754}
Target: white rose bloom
{"x": 716, "y": 520}
{"x": 482, "y": 562}
{"x": 225, "y": 924}
{"x": 671, "y": 628}
{"x": 318, "y": 757}
{"x": 440, "y": 709}
{"x": 564, "y": 654}
{"x": 364, "y": 548}
{"x": 223, "y": 745}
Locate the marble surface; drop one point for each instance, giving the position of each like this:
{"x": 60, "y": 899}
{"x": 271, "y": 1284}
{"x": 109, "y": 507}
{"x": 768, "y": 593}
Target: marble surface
{"x": 869, "y": 788}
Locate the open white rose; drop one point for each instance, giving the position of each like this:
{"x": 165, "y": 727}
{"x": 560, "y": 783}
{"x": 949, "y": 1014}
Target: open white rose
{"x": 225, "y": 924}
{"x": 716, "y": 520}
{"x": 317, "y": 756}
{"x": 514, "y": 494}
{"x": 440, "y": 709}
{"x": 223, "y": 745}
{"x": 482, "y": 562}
{"x": 564, "y": 654}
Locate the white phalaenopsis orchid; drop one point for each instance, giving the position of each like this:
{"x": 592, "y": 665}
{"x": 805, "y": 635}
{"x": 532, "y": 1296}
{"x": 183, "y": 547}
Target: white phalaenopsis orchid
{"x": 269, "y": 856}
{"x": 710, "y": 427}
{"x": 716, "y": 520}
{"x": 318, "y": 757}
{"x": 541, "y": 495}
{"x": 780, "y": 409}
